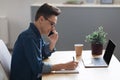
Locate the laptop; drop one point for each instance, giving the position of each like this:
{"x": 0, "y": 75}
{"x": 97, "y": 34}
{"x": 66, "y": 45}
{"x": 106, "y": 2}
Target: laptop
{"x": 103, "y": 61}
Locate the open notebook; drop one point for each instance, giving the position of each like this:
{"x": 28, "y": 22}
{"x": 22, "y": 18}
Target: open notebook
{"x": 102, "y": 61}
{"x": 66, "y": 72}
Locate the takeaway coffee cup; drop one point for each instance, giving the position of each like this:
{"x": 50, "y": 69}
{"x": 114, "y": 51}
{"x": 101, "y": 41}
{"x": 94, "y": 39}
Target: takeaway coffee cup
{"x": 78, "y": 49}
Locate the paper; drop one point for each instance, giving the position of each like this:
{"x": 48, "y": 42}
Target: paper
{"x": 65, "y": 72}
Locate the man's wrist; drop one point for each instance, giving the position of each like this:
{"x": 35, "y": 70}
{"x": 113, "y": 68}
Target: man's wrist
{"x": 57, "y": 67}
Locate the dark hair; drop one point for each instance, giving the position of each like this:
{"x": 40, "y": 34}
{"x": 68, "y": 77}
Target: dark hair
{"x": 47, "y": 10}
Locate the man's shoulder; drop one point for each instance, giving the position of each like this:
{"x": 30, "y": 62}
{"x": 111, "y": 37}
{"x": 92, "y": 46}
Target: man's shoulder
{"x": 27, "y": 34}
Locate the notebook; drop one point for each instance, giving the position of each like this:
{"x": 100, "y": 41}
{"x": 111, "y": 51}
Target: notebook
{"x": 102, "y": 61}
{"x": 66, "y": 72}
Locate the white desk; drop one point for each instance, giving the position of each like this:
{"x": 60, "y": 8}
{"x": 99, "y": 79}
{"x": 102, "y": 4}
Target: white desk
{"x": 110, "y": 73}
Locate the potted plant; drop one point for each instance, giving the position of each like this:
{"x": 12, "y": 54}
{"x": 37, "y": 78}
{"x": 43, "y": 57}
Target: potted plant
{"x": 72, "y": 2}
{"x": 97, "y": 39}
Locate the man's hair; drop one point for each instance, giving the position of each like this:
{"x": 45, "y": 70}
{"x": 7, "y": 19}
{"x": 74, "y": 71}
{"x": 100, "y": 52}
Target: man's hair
{"x": 47, "y": 10}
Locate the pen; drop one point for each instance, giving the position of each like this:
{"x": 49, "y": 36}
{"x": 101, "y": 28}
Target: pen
{"x": 73, "y": 58}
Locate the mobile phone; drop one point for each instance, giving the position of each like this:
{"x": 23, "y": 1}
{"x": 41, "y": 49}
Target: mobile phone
{"x": 51, "y": 32}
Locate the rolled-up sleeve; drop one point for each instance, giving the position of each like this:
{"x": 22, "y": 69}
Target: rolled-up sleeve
{"x": 46, "y": 68}
{"x": 46, "y": 52}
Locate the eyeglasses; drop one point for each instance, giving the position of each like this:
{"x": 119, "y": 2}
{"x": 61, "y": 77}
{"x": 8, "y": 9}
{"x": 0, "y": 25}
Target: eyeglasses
{"x": 51, "y": 23}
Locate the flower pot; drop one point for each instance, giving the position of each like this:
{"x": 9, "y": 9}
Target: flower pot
{"x": 96, "y": 49}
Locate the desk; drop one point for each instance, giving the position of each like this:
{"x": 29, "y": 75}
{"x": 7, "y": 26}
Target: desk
{"x": 110, "y": 73}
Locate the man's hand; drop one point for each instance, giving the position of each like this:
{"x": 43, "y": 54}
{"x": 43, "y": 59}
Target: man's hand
{"x": 67, "y": 66}
{"x": 53, "y": 39}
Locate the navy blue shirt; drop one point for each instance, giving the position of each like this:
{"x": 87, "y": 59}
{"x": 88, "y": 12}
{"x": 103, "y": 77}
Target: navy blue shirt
{"x": 28, "y": 53}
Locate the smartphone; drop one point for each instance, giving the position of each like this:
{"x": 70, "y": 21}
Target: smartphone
{"x": 51, "y": 33}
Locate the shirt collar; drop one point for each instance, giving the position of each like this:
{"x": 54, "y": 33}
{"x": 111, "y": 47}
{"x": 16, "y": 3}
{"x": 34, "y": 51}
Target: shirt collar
{"x": 35, "y": 30}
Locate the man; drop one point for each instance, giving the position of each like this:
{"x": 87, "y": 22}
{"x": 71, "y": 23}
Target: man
{"x": 30, "y": 49}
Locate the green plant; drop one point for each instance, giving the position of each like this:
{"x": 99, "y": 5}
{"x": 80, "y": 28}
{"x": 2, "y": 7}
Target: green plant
{"x": 72, "y": 2}
{"x": 98, "y": 36}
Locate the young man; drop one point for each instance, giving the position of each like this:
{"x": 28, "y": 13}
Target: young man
{"x": 30, "y": 49}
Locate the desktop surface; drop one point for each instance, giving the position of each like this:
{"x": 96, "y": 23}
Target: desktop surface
{"x": 109, "y": 73}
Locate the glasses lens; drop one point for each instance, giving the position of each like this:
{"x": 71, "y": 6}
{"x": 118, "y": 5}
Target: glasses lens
{"x": 51, "y": 23}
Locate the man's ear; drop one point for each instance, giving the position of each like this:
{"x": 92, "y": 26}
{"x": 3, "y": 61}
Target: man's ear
{"x": 41, "y": 18}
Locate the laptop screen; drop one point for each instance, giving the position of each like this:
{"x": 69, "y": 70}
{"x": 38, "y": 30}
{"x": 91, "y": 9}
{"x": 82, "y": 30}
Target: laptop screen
{"x": 109, "y": 51}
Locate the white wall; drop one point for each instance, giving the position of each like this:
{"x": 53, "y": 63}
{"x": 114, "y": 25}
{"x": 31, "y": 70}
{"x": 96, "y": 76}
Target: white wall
{"x": 19, "y": 16}
{"x": 50, "y": 1}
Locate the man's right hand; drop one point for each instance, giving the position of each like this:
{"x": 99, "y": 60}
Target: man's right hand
{"x": 67, "y": 66}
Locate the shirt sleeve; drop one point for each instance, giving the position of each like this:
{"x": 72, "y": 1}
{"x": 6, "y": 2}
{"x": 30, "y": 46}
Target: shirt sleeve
{"x": 31, "y": 53}
{"x": 46, "y": 52}
{"x": 46, "y": 68}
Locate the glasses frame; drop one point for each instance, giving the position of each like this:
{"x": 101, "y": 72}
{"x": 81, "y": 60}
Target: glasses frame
{"x": 51, "y": 23}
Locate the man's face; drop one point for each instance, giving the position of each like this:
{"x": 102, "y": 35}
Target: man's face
{"x": 48, "y": 24}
